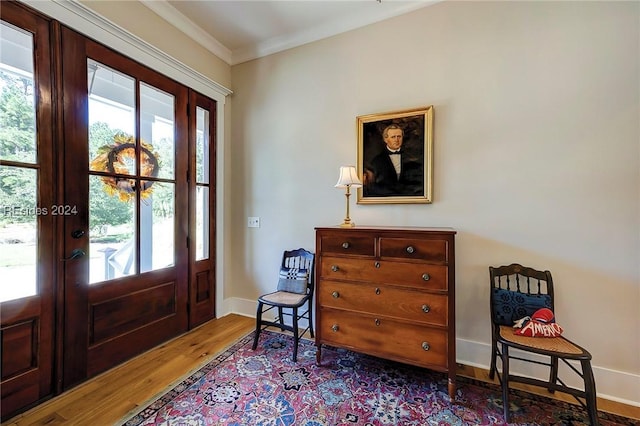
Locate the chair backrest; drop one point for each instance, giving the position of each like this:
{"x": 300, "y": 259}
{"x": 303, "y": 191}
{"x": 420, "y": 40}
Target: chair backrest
{"x": 303, "y": 260}
{"x": 518, "y": 291}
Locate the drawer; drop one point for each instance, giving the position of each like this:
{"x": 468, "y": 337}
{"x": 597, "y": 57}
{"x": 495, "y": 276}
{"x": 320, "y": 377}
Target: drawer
{"x": 395, "y": 302}
{"x": 348, "y": 244}
{"x": 385, "y": 338}
{"x": 411, "y": 248}
{"x": 420, "y": 275}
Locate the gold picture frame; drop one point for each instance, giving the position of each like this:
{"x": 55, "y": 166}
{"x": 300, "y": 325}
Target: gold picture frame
{"x": 401, "y": 177}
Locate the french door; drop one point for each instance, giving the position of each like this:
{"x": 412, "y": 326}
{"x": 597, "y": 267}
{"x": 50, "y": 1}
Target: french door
{"x": 126, "y": 254}
{"x": 113, "y": 188}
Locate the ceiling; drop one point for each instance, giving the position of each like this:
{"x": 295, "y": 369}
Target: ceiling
{"x": 241, "y": 30}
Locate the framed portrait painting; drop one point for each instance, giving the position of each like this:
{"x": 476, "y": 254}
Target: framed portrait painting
{"x": 395, "y": 157}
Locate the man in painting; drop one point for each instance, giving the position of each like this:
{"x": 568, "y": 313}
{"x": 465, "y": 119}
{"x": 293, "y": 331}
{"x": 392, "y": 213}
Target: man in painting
{"x": 393, "y": 172}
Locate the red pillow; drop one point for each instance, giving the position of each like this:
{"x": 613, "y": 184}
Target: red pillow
{"x": 540, "y": 324}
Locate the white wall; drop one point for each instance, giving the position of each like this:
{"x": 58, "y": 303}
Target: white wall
{"x": 537, "y": 157}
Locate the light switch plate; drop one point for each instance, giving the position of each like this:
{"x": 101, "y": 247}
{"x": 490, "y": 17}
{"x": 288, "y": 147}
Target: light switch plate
{"x": 253, "y": 222}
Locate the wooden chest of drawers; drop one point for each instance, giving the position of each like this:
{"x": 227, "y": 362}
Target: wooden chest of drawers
{"x": 388, "y": 292}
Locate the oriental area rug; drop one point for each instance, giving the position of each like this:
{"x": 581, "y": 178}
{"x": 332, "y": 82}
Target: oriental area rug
{"x": 242, "y": 387}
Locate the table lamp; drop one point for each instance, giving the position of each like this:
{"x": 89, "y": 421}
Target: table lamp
{"x": 348, "y": 178}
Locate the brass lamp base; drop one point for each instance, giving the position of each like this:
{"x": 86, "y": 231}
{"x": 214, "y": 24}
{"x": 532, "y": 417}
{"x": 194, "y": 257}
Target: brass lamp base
{"x": 347, "y": 225}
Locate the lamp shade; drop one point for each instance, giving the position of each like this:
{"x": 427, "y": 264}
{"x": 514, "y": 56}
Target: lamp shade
{"x": 348, "y": 178}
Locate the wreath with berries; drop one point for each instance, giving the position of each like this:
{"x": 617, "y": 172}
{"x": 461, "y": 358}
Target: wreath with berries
{"x": 119, "y": 158}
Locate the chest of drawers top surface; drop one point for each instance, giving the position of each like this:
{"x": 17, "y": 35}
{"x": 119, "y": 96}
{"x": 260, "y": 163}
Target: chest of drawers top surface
{"x": 411, "y": 244}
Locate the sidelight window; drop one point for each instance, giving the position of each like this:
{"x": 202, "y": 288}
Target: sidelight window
{"x": 202, "y": 183}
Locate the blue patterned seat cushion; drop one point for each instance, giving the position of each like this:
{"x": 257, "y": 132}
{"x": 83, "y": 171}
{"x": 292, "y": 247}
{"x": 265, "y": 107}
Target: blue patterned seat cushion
{"x": 293, "y": 280}
{"x": 510, "y": 306}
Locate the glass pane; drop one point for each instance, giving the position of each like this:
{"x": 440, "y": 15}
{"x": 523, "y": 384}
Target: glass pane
{"x": 18, "y": 232}
{"x": 17, "y": 98}
{"x": 202, "y": 145}
{"x": 157, "y": 132}
{"x": 112, "y": 226}
{"x": 157, "y": 212}
{"x": 111, "y": 120}
{"x": 202, "y": 222}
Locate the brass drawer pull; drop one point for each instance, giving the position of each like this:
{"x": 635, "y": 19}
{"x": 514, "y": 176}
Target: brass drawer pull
{"x": 425, "y": 277}
{"x": 335, "y": 327}
{"x": 335, "y": 294}
{"x": 345, "y": 245}
{"x": 426, "y": 309}
{"x": 377, "y": 321}
{"x": 410, "y": 249}
{"x": 335, "y": 268}
{"x": 377, "y": 290}
{"x": 377, "y": 264}
{"x": 425, "y": 346}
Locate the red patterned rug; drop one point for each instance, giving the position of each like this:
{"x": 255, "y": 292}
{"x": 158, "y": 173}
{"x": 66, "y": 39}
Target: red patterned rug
{"x": 242, "y": 387}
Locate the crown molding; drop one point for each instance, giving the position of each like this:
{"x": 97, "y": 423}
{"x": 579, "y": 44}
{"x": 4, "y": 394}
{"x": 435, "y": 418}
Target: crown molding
{"x": 347, "y": 23}
{"x": 280, "y": 43}
{"x": 188, "y": 27}
{"x": 84, "y": 20}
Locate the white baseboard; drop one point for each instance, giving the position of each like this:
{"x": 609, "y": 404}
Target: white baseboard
{"x": 612, "y": 385}
{"x": 247, "y": 308}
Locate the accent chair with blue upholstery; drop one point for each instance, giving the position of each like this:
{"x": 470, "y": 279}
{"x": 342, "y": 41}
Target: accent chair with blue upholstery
{"x": 518, "y": 291}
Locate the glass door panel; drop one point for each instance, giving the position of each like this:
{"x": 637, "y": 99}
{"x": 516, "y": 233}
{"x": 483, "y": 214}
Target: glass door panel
{"x": 19, "y": 170}
{"x": 202, "y": 183}
{"x": 202, "y": 222}
{"x": 112, "y": 165}
{"x": 158, "y": 225}
{"x": 18, "y": 232}
{"x": 111, "y": 234}
{"x": 121, "y": 203}
{"x": 157, "y": 206}
{"x": 157, "y": 127}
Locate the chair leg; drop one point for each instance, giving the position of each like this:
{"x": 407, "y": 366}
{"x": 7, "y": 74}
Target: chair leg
{"x": 280, "y": 318}
{"x": 553, "y": 374}
{"x": 258, "y": 326}
{"x": 295, "y": 334}
{"x": 311, "y": 317}
{"x": 590, "y": 391}
{"x": 505, "y": 382}
{"x": 494, "y": 354}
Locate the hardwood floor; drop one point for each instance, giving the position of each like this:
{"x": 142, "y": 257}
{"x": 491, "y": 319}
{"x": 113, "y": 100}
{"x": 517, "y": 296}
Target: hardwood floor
{"x": 109, "y": 397}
